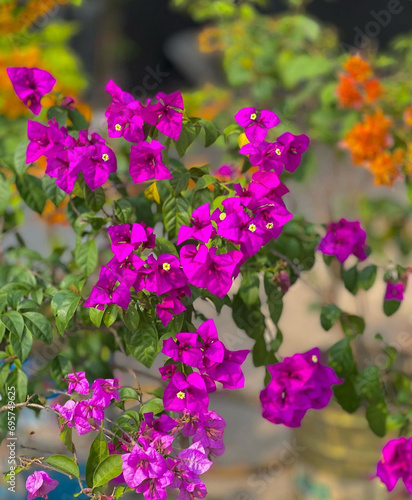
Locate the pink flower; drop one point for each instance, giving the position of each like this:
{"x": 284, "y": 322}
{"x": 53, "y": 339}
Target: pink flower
{"x": 186, "y": 393}
{"x": 146, "y": 162}
{"x": 104, "y": 391}
{"x": 394, "y": 291}
{"x": 344, "y": 238}
{"x": 108, "y": 290}
{"x": 186, "y": 349}
{"x": 299, "y": 383}
{"x": 165, "y": 115}
{"x": 77, "y": 383}
{"x": 30, "y": 85}
{"x": 166, "y": 274}
{"x": 256, "y": 123}
{"x": 396, "y": 463}
{"x": 39, "y": 484}
{"x": 294, "y": 146}
{"x": 201, "y": 227}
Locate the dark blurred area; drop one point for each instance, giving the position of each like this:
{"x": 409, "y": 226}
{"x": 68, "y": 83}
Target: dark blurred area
{"x": 126, "y": 41}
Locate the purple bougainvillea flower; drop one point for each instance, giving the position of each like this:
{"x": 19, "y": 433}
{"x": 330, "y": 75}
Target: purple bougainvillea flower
{"x": 166, "y": 274}
{"x": 146, "y": 162}
{"x": 299, "y": 383}
{"x": 97, "y": 161}
{"x": 155, "y": 488}
{"x": 213, "y": 348}
{"x": 139, "y": 465}
{"x": 127, "y": 270}
{"x": 396, "y": 463}
{"x": 205, "y": 268}
{"x": 395, "y": 291}
{"x": 82, "y": 415}
{"x": 186, "y": 393}
{"x": 126, "y": 238}
{"x": 123, "y": 118}
{"x": 194, "y": 459}
{"x": 169, "y": 307}
{"x": 201, "y": 227}
{"x": 210, "y": 432}
{"x": 267, "y": 156}
{"x": 65, "y": 172}
{"x": 229, "y": 371}
{"x": 344, "y": 238}
{"x": 294, "y": 147}
{"x": 186, "y": 349}
{"x": 256, "y": 123}
{"x": 167, "y": 371}
{"x": 165, "y": 115}
{"x": 44, "y": 141}
{"x": 77, "y": 383}
{"x": 108, "y": 290}
{"x": 39, "y": 484}
{"x": 104, "y": 391}
{"x": 30, "y": 85}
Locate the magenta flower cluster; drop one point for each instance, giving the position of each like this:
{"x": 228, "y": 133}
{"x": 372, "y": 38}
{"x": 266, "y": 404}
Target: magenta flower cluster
{"x": 39, "y": 484}
{"x": 86, "y": 415}
{"x": 395, "y": 463}
{"x": 344, "y": 238}
{"x": 299, "y": 383}
{"x": 154, "y": 465}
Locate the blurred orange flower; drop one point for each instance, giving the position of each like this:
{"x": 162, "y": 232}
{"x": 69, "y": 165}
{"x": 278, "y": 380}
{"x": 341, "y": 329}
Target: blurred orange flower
{"x": 369, "y": 138}
{"x": 386, "y": 167}
{"x": 210, "y": 40}
{"x": 55, "y": 215}
{"x": 357, "y": 68}
{"x": 349, "y": 95}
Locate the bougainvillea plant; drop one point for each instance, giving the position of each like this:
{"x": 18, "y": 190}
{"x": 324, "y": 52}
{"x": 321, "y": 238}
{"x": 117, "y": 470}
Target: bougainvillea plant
{"x": 152, "y": 239}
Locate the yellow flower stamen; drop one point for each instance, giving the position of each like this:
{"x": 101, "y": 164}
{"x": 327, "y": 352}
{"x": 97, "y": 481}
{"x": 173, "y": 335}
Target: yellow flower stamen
{"x": 278, "y": 151}
{"x": 180, "y": 395}
{"x": 166, "y": 266}
{"x": 222, "y": 216}
{"x": 118, "y": 127}
{"x": 105, "y": 156}
{"x": 252, "y": 228}
{"x": 269, "y": 225}
{"x": 253, "y": 116}
{"x": 315, "y": 358}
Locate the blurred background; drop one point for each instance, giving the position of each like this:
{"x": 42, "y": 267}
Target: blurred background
{"x": 223, "y": 54}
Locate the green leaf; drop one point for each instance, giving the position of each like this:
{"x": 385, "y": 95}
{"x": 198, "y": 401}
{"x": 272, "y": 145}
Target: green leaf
{"x": 123, "y": 210}
{"x": 39, "y": 326}
{"x": 211, "y": 131}
{"x": 96, "y": 316}
{"x": 341, "y": 359}
{"x": 143, "y": 344}
{"x": 181, "y": 177}
{"x": 66, "y": 435}
{"x": 274, "y": 298}
{"x": 98, "y": 452}
{"x": 22, "y": 345}
{"x": 128, "y": 394}
{"x": 187, "y": 136}
{"x": 346, "y": 396}
{"x": 352, "y": 325}
{"x": 63, "y": 464}
{"x": 391, "y": 306}
{"x": 86, "y": 256}
{"x": 329, "y": 315}
{"x": 376, "y": 415}
{"x": 60, "y": 114}
{"x": 110, "y": 315}
{"x": 175, "y": 214}
{"x": 52, "y": 190}
{"x": 20, "y": 165}
{"x": 350, "y": 279}
{"x": 163, "y": 245}
{"x": 154, "y": 406}
{"x": 131, "y": 318}
{"x": 79, "y": 122}
{"x": 17, "y": 379}
{"x": 110, "y": 468}
{"x": 60, "y": 367}
{"x": 31, "y": 190}
{"x": 4, "y": 194}
{"x": 95, "y": 199}
{"x": 367, "y": 277}
{"x": 64, "y": 305}
{"x": 395, "y": 421}
{"x": 14, "y": 322}
{"x": 368, "y": 384}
